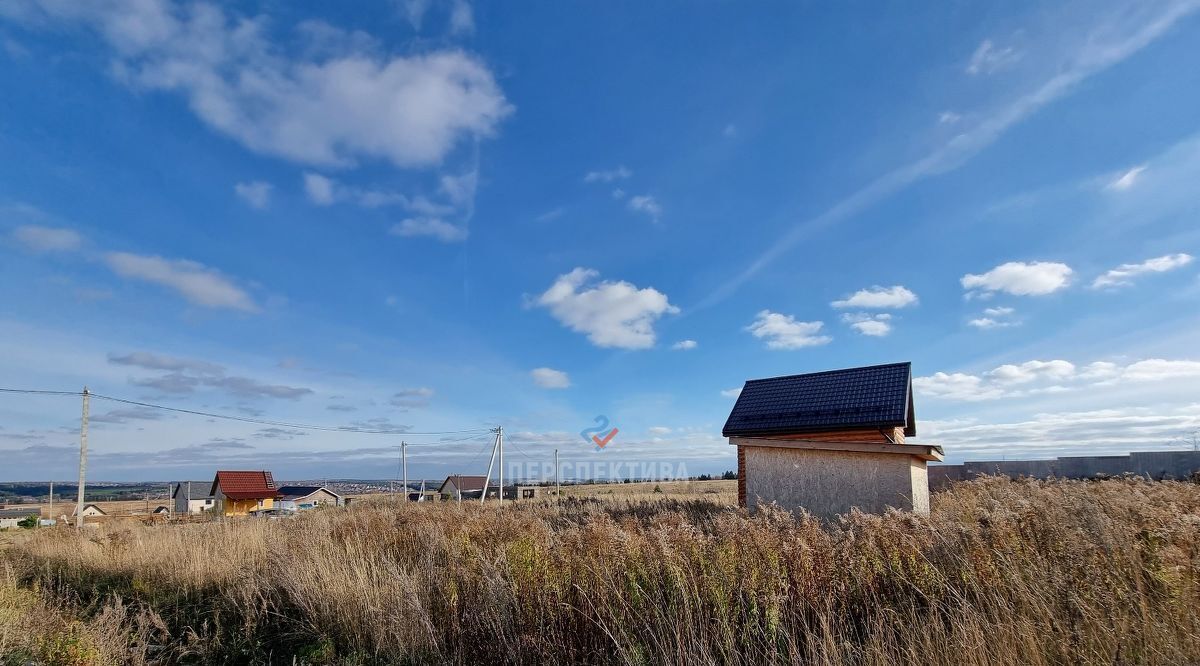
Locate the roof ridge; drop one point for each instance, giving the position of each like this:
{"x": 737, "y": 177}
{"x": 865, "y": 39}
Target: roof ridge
{"x": 830, "y": 372}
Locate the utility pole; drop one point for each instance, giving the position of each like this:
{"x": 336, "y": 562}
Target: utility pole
{"x": 51, "y": 500}
{"x": 404, "y": 464}
{"x": 170, "y": 504}
{"x": 83, "y": 426}
{"x": 491, "y": 463}
{"x": 500, "y": 436}
{"x": 557, "y": 489}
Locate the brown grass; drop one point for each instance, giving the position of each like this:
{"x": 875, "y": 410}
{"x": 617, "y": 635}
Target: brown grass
{"x": 1000, "y": 573}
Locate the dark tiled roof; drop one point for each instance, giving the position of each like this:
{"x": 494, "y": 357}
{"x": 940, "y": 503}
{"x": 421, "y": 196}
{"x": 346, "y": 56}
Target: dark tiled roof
{"x": 256, "y": 484}
{"x": 465, "y": 483}
{"x": 293, "y": 492}
{"x": 878, "y": 396}
{"x": 20, "y": 513}
{"x": 199, "y": 489}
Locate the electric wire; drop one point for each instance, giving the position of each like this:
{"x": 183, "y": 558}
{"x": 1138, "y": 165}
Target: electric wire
{"x": 249, "y": 419}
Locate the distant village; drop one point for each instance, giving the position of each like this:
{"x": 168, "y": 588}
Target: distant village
{"x": 248, "y": 493}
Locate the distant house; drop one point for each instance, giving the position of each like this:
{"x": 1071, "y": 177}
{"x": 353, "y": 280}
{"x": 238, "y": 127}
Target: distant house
{"x": 462, "y": 486}
{"x": 9, "y": 518}
{"x": 90, "y": 511}
{"x": 831, "y": 441}
{"x": 300, "y": 498}
{"x": 191, "y": 496}
{"x": 238, "y": 492}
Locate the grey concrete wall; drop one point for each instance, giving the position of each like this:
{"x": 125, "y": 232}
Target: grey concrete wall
{"x": 828, "y": 483}
{"x": 1156, "y": 465}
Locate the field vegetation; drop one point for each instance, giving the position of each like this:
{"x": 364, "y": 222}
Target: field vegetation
{"x": 1000, "y": 573}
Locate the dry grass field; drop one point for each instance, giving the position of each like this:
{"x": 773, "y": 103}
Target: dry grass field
{"x": 1000, "y": 573}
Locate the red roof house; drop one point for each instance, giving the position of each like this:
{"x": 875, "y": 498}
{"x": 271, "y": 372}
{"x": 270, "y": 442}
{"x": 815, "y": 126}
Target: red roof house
{"x": 238, "y": 492}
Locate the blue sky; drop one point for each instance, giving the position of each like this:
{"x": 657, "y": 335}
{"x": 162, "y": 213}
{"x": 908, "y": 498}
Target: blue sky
{"x": 435, "y": 216}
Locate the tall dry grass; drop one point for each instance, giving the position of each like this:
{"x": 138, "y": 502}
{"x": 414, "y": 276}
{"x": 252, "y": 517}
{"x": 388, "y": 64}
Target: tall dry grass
{"x": 1000, "y": 573}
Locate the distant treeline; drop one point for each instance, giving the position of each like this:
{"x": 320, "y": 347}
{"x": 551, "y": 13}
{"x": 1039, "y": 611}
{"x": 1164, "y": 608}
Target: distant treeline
{"x": 11, "y": 492}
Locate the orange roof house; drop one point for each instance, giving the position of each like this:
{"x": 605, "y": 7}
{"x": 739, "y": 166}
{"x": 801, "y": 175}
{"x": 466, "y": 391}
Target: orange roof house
{"x": 238, "y": 492}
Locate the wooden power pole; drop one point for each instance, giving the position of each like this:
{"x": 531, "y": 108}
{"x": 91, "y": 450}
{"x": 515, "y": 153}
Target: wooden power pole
{"x": 83, "y": 428}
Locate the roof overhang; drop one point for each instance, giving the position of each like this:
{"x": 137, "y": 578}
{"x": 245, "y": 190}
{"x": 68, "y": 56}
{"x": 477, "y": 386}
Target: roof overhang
{"x": 928, "y": 452}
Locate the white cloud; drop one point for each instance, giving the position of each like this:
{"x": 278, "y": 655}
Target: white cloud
{"x": 784, "y": 332}
{"x": 607, "y": 175}
{"x": 949, "y": 117}
{"x": 1037, "y": 377}
{"x": 878, "y": 297}
{"x": 1047, "y": 435}
{"x": 997, "y": 317}
{"x": 412, "y": 397}
{"x": 874, "y": 325}
{"x": 732, "y": 393}
{"x": 611, "y": 314}
{"x": 256, "y": 194}
{"x": 644, "y": 203}
{"x": 618, "y": 193}
{"x": 194, "y": 281}
{"x": 462, "y": 19}
{"x": 550, "y": 378}
{"x": 325, "y": 191}
{"x": 320, "y": 189}
{"x": 319, "y": 107}
{"x": 1107, "y": 41}
{"x": 1123, "y": 275}
{"x": 431, "y": 227}
{"x": 1020, "y": 279}
{"x": 685, "y": 345}
{"x": 1127, "y": 179}
{"x": 47, "y": 239}
{"x": 658, "y": 430}
{"x": 989, "y": 58}
{"x": 1030, "y": 371}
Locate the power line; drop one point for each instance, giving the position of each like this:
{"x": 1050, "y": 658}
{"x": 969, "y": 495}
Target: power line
{"x": 248, "y": 419}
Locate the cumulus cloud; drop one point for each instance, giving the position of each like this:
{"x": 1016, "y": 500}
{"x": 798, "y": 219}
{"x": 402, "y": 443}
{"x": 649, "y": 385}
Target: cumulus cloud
{"x": 1127, "y": 179}
{"x": 47, "y": 239}
{"x": 877, "y": 297}
{"x": 256, "y": 194}
{"x": 782, "y": 331}
{"x": 647, "y": 204}
{"x": 1055, "y": 376}
{"x": 684, "y": 345}
{"x": 196, "y": 282}
{"x": 1066, "y": 433}
{"x": 550, "y": 378}
{"x": 998, "y": 317}
{"x": 607, "y": 175}
{"x": 330, "y": 105}
{"x": 874, "y": 325}
{"x": 1124, "y": 274}
{"x": 430, "y": 227}
{"x": 318, "y": 188}
{"x": 1019, "y": 279}
{"x": 732, "y": 393}
{"x": 658, "y": 430}
{"x": 611, "y": 314}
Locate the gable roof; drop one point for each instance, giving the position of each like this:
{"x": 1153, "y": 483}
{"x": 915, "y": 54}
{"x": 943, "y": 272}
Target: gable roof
{"x": 296, "y": 492}
{"x": 465, "y": 483}
{"x": 200, "y": 489}
{"x": 89, "y": 506}
{"x": 20, "y": 513}
{"x": 877, "y": 396}
{"x": 244, "y": 484}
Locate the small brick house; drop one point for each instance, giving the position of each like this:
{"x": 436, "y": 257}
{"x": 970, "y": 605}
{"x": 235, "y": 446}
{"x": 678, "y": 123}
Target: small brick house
{"x": 831, "y": 441}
